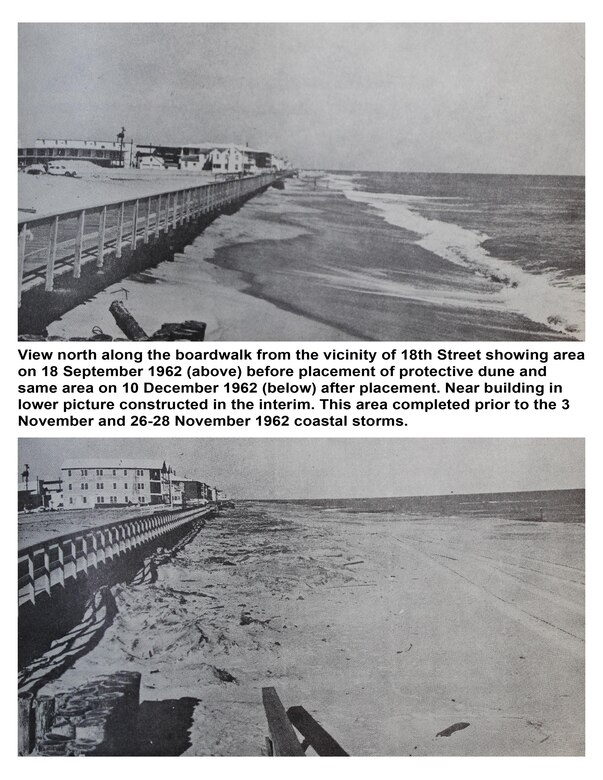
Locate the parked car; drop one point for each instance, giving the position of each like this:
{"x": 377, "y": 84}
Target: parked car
{"x": 59, "y": 169}
{"x": 36, "y": 169}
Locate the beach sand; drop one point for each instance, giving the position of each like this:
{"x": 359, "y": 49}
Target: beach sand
{"x": 387, "y": 632}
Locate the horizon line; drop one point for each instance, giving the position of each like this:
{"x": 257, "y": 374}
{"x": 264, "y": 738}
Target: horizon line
{"x": 409, "y": 495}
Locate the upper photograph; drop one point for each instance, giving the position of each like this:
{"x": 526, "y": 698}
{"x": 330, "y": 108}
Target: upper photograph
{"x": 301, "y": 182}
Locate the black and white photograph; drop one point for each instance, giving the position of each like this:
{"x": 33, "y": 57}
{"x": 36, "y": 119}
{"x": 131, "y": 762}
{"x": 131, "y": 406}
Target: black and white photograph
{"x": 301, "y": 182}
{"x": 291, "y": 597}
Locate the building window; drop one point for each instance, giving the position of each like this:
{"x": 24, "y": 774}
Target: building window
{"x": 115, "y": 486}
{"x": 68, "y": 472}
{"x": 114, "y": 472}
{"x": 84, "y": 486}
{"x": 100, "y": 485}
{"x": 100, "y": 499}
{"x": 126, "y": 500}
{"x": 125, "y": 485}
{"x": 70, "y": 500}
{"x": 99, "y": 472}
{"x": 70, "y": 487}
{"x": 140, "y": 485}
{"x": 113, "y": 499}
{"x": 139, "y": 473}
{"x": 84, "y": 500}
{"x": 83, "y": 472}
{"x": 142, "y": 500}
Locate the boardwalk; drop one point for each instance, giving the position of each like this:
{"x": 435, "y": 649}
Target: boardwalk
{"x": 64, "y": 242}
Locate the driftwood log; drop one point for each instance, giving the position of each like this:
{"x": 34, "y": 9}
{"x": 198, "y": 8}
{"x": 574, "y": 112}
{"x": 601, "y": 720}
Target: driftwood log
{"x": 126, "y": 322}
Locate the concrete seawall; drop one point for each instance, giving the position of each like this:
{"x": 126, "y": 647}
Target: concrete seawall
{"x": 59, "y": 577}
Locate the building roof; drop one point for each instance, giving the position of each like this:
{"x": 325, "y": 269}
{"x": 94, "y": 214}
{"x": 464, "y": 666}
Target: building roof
{"x": 77, "y": 143}
{"x": 112, "y": 463}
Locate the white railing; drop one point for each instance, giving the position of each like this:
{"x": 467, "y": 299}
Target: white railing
{"x": 58, "y": 243}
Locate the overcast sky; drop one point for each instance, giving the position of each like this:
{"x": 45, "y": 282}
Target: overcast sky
{"x": 498, "y": 98}
{"x": 337, "y": 468}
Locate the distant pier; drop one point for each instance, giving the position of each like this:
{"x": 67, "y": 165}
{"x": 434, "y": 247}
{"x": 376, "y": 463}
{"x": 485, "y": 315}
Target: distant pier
{"x": 67, "y": 256}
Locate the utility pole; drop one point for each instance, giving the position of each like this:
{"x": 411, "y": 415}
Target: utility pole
{"x": 120, "y": 138}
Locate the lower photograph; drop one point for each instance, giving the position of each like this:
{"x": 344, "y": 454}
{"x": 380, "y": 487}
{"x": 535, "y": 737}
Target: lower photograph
{"x": 301, "y": 597}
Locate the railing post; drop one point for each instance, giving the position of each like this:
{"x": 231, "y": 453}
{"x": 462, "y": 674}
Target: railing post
{"x": 134, "y": 224}
{"x": 120, "y": 229}
{"x": 22, "y": 242}
{"x": 158, "y": 216}
{"x": 79, "y": 240}
{"x": 147, "y": 223}
{"x": 52, "y": 253}
{"x": 100, "y": 257}
{"x": 175, "y": 211}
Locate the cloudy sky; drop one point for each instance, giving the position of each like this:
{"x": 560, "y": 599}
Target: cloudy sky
{"x": 337, "y": 468}
{"x": 498, "y": 98}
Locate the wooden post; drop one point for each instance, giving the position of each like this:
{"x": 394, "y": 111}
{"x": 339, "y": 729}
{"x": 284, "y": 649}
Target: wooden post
{"x": 282, "y": 735}
{"x": 100, "y": 255}
{"x": 52, "y": 253}
{"x": 26, "y": 724}
{"x": 134, "y": 224}
{"x": 126, "y": 322}
{"x": 44, "y": 716}
{"x": 175, "y": 214}
{"x": 120, "y": 230}
{"x": 22, "y": 242}
{"x": 79, "y": 240}
{"x": 158, "y": 216}
{"x": 166, "y": 227}
{"x": 147, "y": 223}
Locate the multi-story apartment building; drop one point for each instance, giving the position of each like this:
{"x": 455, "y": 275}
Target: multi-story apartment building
{"x": 102, "y": 482}
{"x": 104, "y": 153}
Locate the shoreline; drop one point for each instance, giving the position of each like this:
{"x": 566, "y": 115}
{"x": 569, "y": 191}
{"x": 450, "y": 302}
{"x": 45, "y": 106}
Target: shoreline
{"x": 305, "y": 264}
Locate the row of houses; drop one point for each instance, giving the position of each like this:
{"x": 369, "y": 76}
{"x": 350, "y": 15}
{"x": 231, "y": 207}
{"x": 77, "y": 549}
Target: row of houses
{"x": 117, "y": 482}
{"x": 218, "y": 158}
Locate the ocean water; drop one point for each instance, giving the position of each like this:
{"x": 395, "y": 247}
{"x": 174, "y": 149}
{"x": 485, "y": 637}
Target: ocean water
{"x": 388, "y": 256}
{"x": 549, "y": 506}
{"x": 526, "y": 232}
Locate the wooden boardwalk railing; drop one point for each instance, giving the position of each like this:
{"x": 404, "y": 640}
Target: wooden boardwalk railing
{"x": 60, "y": 559}
{"x": 63, "y": 242}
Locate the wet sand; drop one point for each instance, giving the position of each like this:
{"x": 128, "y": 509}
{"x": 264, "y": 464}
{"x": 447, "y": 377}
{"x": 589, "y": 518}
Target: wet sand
{"x": 387, "y": 632}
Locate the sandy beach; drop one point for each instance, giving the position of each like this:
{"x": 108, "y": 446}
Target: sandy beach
{"x": 388, "y": 631}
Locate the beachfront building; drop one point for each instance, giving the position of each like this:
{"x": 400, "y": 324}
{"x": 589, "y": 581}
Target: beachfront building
{"x": 195, "y": 491}
{"x": 104, "y": 153}
{"x": 216, "y": 158}
{"x": 256, "y": 161}
{"x": 149, "y": 162}
{"x": 101, "y": 483}
{"x": 227, "y": 160}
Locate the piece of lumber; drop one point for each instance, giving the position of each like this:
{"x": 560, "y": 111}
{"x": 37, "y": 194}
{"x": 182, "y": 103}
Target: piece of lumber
{"x": 313, "y": 733}
{"x": 284, "y": 741}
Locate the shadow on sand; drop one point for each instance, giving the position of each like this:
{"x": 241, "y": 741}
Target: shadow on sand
{"x": 164, "y": 726}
